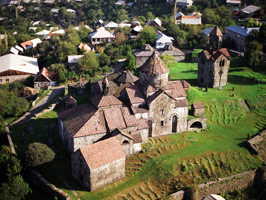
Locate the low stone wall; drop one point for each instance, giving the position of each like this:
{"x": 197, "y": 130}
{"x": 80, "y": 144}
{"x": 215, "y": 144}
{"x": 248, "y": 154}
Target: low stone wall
{"x": 221, "y": 186}
{"x": 256, "y": 139}
{"x": 228, "y": 184}
{"x": 45, "y": 185}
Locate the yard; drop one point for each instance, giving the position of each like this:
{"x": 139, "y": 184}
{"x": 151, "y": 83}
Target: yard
{"x": 175, "y": 161}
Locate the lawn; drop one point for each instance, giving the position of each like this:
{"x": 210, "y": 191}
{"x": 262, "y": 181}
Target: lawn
{"x": 176, "y": 161}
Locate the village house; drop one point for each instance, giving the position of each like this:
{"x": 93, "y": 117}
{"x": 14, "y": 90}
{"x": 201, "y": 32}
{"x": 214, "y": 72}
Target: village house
{"x": 163, "y": 40}
{"x": 17, "y": 67}
{"x": 233, "y": 2}
{"x": 111, "y": 25}
{"x": 250, "y": 11}
{"x": 191, "y": 19}
{"x": 213, "y": 62}
{"x": 181, "y": 3}
{"x": 238, "y": 35}
{"x": 45, "y": 79}
{"x": 72, "y": 61}
{"x": 101, "y": 36}
{"x": 30, "y": 44}
{"x": 156, "y": 22}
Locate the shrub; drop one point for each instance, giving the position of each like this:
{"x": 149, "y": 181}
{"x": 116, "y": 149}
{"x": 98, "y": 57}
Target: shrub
{"x": 38, "y": 154}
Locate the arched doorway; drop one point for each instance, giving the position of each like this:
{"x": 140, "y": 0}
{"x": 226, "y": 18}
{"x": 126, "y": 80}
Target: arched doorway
{"x": 174, "y": 124}
{"x": 196, "y": 125}
{"x": 150, "y": 127}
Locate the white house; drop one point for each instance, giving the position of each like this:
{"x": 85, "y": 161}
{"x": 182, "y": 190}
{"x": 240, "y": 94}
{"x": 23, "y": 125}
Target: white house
{"x": 101, "y": 36}
{"x": 163, "y": 40}
{"x": 111, "y": 25}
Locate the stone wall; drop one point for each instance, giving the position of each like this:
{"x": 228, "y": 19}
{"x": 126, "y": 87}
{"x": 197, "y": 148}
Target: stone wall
{"x": 107, "y": 174}
{"x": 256, "y": 139}
{"x": 221, "y": 82}
{"x": 45, "y": 185}
{"x": 228, "y": 184}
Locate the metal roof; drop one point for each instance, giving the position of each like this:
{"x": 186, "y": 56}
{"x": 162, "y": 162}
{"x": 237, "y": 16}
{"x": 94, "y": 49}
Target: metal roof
{"x": 241, "y": 30}
{"x": 19, "y": 63}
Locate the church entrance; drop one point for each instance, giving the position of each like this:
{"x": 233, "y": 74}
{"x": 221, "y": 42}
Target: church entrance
{"x": 150, "y": 128}
{"x": 174, "y": 124}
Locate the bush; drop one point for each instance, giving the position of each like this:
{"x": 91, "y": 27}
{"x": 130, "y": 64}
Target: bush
{"x": 38, "y": 154}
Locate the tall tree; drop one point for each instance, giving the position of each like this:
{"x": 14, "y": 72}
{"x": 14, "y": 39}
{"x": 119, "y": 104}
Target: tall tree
{"x": 89, "y": 63}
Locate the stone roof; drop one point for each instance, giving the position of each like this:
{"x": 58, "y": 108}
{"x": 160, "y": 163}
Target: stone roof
{"x": 102, "y": 153}
{"x": 216, "y": 54}
{"x": 83, "y": 120}
{"x": 114, "y": 118}
{"x": 198, "y": 105}
{"x": 135, "y": 95}
{"x": 181, "y": 103}
{"x": 146, "y": 51}
{"x": 176, "y": 89}
{"x": 171, "y": 50}
{"x": 70, "y": 100}
{"x": 126, "y": 77}
{"x": 216, "y": 32}
{"x": 104, "y": 101}
{"x": 154, "y": 65}
{"x": 142, "y": 124}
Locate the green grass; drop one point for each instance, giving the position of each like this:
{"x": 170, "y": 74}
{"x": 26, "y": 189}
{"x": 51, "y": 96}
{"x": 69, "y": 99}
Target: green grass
{"x": 175, "y": 161}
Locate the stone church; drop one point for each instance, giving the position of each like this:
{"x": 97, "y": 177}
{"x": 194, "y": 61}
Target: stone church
{"x": 128, "y": 108}
{"x": 214, "y": 62}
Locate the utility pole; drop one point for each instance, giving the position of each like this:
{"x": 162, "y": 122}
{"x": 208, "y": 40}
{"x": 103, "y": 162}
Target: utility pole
{"x": 175, "y": 10}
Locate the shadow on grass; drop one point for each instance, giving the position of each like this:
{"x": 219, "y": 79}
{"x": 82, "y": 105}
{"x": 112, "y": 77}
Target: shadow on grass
{"x": 241, "y": 80}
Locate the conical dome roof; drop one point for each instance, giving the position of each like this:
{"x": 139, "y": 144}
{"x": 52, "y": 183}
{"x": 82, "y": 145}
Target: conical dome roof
{"x": 154, "y": 65}
{"x": 126, "y": 77}
{"x": 216, "y": 32}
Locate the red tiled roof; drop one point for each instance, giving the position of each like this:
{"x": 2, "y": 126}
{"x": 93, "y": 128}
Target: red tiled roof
{"x": 177, "y": 89}
{"x": 128, "y": 117}
{"x": 216, "y": 54}
{"x": 198, "y": 105}
{"x": 136, "y": 137}
{"x": 142, "y": 124}
{"x": 154, "y": 65}
{"x": 114, "y": 118}
{"x": 135, "y": 95}
{"x": 181, "y": 103}
{"x": 105, "y": 101}
{"x": 45, "y": 73}
{"x": 102, "y": 153}
{"x": 138, "y": 110}
{"x": 27, "y": 43}
{"x": 83, "y": 120}
{"x": 226, "y": 53}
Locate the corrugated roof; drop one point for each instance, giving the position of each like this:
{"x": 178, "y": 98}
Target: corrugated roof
{"x": 162, "y": 38}
{"x": 19, "y": 63}
{"x": 102, "y": 153}
{"x": 74, "y": 58}
{"x": 154, "y": 65}
{"x": 250, "y": 9}
{"x": 101, "y": 33}
{"x": 241, "y": 30}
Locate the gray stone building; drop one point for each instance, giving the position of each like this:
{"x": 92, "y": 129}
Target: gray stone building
{"x": 129, "y": 109}
{"x": 214, "y": 62}
{"x": 99, "y": 164}
{"x": 143, "y": 54}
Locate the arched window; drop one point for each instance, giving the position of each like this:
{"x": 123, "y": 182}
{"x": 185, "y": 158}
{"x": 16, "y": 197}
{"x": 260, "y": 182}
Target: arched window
{"x": 150, "y": 128}
{"x": 125, "y": 142}
{"x": 222, "y": 62}
{"x": 174, "y": 124}
{"x": 162, "y": 112}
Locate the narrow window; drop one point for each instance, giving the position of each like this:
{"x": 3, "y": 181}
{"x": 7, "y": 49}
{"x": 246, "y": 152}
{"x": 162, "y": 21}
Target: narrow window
{"x": 162, "y": 123}
{"x": 7, "y": 80}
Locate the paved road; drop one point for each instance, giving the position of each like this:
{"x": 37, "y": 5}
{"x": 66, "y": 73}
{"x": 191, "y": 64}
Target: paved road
{"x": 39, "y": 106}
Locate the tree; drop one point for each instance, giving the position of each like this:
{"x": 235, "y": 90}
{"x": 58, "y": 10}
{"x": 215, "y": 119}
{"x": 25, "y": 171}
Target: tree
{"x": 89, "y": 63}
{"x": 61, "y": 70}
{"x": 16, "y": 188}
{"x": 150, "y": 16}
{"x": 131, "y": 61}
{"x": 120, "y": 37}
{"x": 253, "y": 54}
{"x": 64, "y": 49}
{"x": 104, "y": 60}
{"x": 71, "y": 36}
{"x": 168, "y": 59}
{"x": 38, "y": 154}
{"x": 209, "y": 16}
{"x": 148, "y": 35}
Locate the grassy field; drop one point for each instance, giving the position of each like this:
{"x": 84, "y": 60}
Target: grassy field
{"x": 176, "y": 161}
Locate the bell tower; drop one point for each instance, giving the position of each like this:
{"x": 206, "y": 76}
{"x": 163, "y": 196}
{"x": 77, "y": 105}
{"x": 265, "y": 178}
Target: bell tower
{"x": 216, "y": 39}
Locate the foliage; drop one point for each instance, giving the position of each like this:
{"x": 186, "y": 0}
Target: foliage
{"x": 148, "y": 35}
{"x": 104, "y": 60}
{"x": 150, "y": 16}
{"x": 130, "y": 62}
{"x": 168, "y": 59}
{"x": 250, "y": 22}
{"x": 253, "y": 54}
{"x": 38, "y": 154}
{"x": 89, "y": 63}
{"x": 120, "y": 37}
{"x": 15, "y": 189}
{"x": 62, "y": 72}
